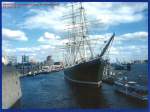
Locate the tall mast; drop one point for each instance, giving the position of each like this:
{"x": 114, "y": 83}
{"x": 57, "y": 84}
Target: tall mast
{"x": 79, "y": 41}
{"x": 78, "y": 34}
{"x": 73, "y": 48}
{"x": 85, "y": 36}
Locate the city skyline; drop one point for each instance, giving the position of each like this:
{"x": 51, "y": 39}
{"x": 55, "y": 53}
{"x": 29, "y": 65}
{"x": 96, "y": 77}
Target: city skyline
{"x": 39, "y": 31}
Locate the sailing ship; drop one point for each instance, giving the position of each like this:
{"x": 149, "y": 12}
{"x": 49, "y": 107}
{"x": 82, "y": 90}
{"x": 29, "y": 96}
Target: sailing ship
{"x": 81, "y": 66}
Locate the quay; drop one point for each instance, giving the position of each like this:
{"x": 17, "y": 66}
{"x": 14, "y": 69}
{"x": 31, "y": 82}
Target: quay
{"x": 11, "y": 89}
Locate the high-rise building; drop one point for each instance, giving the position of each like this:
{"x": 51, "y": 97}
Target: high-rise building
{"x": 25, "y": 59}
{"x": 49, "y": 58}
{"x": 12, "y": 60}
{"x": 49, "y": 61}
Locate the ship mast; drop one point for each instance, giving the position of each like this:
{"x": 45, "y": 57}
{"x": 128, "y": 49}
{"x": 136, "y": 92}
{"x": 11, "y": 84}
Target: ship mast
{"x": 78, "y": 35}
{"x": 79, "y": 47}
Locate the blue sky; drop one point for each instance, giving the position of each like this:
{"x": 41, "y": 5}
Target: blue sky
{"x": 38, "y": 31}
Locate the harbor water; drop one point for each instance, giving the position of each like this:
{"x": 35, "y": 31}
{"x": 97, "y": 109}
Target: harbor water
{"x": 53, "y": 91}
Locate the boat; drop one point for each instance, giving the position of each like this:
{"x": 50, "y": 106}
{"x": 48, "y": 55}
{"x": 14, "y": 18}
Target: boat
{"x": 134, "y": 83}
{"x": 131, "y": 88}
{"x": 81, "y": 65}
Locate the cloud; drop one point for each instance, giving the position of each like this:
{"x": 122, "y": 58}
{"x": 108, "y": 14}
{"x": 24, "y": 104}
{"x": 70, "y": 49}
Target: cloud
{"x": 116, "y": 13}
{"x": 45, "y": 19}
{"x": 133, "y": 36}
{"x": 39, "y": 52}
{"x": 48, "y": 46}
{"x": 33, "y": 49}
{"x": 128, "y": 53}
{"x": 14, "y": 34}
{"x": 118, "y": 46}
{"x": 5, "y": 44}
{"x": 121, "y": 49}
{"x": 48, "y": 36}
{"x": 122, "y": 52}
{"x": 51, "y": 20}
{"x": 107, "y": 14}
{"x": 52, "y": 39}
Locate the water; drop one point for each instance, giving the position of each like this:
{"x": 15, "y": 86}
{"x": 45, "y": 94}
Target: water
{"x": 139, "y": 73}
{"x": 53, "y": 91}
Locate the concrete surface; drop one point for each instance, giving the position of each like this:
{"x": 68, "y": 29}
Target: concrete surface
{"x": 11, "y": 91}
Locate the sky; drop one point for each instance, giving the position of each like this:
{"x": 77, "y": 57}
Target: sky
{"x": 38, "y": 30}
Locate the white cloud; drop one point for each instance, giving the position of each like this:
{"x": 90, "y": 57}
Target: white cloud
{"x": 34, "y": 49}
{"x": 116, "y": 13}
{"x": 45, "y": 19}
{"x": 100, "y": 37}
{"x": 48, "y": 36}
{"x": 39, "y": 52}
{"x": 9, "y": 51}
{"x": 121, "y": 49}
{"x": 50, "y": 46}
{"x": 128, "y": 53}
{"x": 52, "y": 39}
{"x": 5, "y": 44}
{"x": 107, "y": 13}
{"x": 135, "y": 35}
{"x": 14, "y": 34}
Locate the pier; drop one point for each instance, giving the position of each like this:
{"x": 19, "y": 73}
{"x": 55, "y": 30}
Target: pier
{"x": 11, "y": 89}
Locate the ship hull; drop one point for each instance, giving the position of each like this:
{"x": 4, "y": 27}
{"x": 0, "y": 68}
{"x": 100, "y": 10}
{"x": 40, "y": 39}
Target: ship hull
{"x": 89, "y": 73}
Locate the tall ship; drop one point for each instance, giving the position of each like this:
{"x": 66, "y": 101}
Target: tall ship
{"x": 80, "y": 64}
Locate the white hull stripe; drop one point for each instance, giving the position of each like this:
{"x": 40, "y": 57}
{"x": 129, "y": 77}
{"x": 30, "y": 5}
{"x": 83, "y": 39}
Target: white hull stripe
{"x": 84, "y": 82}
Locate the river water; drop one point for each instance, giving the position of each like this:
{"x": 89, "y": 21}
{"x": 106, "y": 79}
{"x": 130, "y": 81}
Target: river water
{"x": 53, "y": 91}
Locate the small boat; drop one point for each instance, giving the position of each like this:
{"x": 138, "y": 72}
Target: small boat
{"x": 131, "y": 88}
